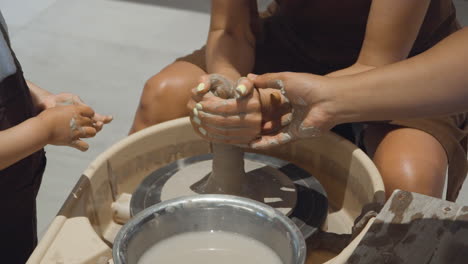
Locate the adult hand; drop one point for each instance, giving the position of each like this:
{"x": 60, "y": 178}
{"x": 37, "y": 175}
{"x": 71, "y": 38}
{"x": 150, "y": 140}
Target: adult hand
{"x": 66, "y": 124}
{"x": 223, "y": 112}
{"x": 63, "y": 99}
{"x": 310, "y": 100}
{"x": 239, "y": 119}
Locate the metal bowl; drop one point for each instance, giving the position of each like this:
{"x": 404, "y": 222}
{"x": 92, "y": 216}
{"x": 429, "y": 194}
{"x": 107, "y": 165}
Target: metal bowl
{"x": 207, "y": 213}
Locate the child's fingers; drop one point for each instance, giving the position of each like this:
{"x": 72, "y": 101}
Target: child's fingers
{"x": 84, "y": 121}
{"x": 77, "y": 100}
{"x": 244, "y": 87}
{"x": 98, "y": 125}
{"x": 85, "y": 110}
{"x": 106, "y": 119}
{"x": 87, "y": 132}
{"x": 99, "y": 121}
{"x": 83, "y": 131}
{"x": 80, "y": 145}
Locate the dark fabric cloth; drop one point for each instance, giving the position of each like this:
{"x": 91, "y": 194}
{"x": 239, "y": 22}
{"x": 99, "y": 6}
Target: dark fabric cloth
{"x": 319, "y": 37}
{"x": 335, "y": 29}
{"x": 20, "y": 182}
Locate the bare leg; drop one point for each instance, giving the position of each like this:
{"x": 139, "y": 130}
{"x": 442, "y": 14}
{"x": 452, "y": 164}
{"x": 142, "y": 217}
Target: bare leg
{"x": 166, "y": 94}
{"x": 408, "y": 159}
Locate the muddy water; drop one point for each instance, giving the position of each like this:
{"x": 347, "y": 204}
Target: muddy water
{"x": 210, "y": 248}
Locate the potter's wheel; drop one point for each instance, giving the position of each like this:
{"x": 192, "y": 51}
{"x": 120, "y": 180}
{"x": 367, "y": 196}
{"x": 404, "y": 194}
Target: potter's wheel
{"x": 309, "y": 197}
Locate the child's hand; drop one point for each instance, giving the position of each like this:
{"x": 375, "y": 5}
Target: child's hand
{"x": 62, "y": 99}
{"x": 66, "y": 124}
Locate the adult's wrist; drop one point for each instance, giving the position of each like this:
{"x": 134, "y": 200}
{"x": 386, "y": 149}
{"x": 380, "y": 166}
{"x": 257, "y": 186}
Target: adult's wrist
{"x": 339, "y": 102}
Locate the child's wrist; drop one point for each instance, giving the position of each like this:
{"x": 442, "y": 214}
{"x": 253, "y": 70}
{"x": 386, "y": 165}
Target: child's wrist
{"x": 44, "y": 127}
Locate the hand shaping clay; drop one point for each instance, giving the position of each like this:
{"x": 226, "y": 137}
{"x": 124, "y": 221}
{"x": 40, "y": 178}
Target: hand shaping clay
{"x": 228, "y": 176}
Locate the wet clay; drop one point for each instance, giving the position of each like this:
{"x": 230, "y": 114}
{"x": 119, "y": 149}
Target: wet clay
{"x": 210, "y": 248}
{"x": 228, "y": 174}
{"x": 198, "y": 178}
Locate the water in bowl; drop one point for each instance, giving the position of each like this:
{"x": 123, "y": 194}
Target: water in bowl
{"x": 210, "y": 247}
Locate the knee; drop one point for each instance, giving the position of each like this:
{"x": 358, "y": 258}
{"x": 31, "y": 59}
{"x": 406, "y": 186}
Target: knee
{"x": 411, "y": 160}
{"x": 157, "y": 102}
{"x": 157, "y": 90}
{"x": 420, "y": 176}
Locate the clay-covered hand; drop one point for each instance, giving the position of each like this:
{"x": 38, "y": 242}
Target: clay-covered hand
{"x": 223, "y": 112}
{"x": 67, "y": 124}
{"x": 63, "y": 99}
{"x": 231, "y": 112}
{"x": 309, "y": 99}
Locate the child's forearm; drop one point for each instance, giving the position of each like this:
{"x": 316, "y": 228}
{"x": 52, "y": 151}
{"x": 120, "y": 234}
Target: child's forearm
{"x": 37, "y": 93}
{"x": 22, "y": 140}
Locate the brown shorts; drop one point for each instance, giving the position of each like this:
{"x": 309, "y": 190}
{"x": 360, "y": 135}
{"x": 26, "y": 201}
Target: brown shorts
{"x": 279, "y": 49}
